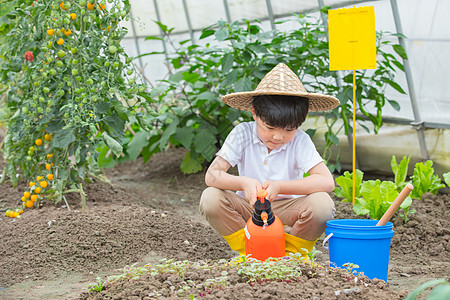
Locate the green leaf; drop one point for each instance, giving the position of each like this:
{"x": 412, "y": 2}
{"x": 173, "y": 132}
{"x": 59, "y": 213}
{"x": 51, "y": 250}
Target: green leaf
{"x": 394, "y": 85}
{"x": 400, "y": 171}
{"x": 190, "y": 165}
{"x": 168, "y": 132}
{"x": 114, "y": 145}
{"x": 205, "y": 144}
{"x": 184, "y": 135}
{"x": 446, "y": 178}
{"x": 206, "y": 33}
{"x": 63, "y": 138}
{"x": 190, "y": 77}
{"x": 345, "y": 183}
{"x": 121, "y": 110}
{"x": 222, "y": 34}
{"x": 400, "y": 51}
{"x": 424, "y": 180}
{"x": 394, "y": 104}
{"x": 227, "y": 62}
{"x": 378, "y": 196}
{"x": 414, "y": 294}
{"x": 138, "y": 142}
{"x": 441, "y": 292}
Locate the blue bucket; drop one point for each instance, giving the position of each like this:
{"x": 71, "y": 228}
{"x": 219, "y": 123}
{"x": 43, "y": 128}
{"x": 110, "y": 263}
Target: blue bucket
{"x": 360, "y": 242}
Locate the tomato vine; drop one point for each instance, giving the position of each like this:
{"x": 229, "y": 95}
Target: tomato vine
{"x": 70, "y": 88}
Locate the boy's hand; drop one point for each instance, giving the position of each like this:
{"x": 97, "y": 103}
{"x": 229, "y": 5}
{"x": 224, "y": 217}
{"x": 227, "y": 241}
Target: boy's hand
{"x": 250, "y": 186}
{"x": 273, "y": 189}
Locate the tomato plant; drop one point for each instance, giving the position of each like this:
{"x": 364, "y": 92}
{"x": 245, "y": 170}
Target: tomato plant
{"x": 69, "y": 88}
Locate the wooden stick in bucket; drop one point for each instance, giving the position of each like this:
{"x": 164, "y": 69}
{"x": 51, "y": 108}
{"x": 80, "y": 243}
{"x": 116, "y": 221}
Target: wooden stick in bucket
{"x": 395, "y": 205}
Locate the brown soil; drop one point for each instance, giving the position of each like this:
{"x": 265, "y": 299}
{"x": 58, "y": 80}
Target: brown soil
{"x": 149, "y": 212}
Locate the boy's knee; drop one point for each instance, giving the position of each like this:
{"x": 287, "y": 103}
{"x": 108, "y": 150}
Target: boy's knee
{"x": 210, "y": 201}
{"x": 322, "y": 206}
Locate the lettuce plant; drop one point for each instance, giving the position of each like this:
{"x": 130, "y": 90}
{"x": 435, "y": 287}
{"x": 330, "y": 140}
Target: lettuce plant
{"x": 400, "y": 171}
{"x": 376, "y": 197}
{"x": 424, "y": 180}
{"x": 446, "y": 178}
{"x": 345, "y": 182}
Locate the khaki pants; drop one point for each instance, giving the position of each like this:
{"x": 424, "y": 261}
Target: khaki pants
{"x": 304, "y": 217}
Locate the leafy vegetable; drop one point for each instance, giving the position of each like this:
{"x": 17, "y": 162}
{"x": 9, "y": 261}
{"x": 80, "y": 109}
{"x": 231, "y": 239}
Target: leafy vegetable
{"x": 400, "y": 171}
{"x": 376, "y": 197}
{"x": 447, "y": 178}
{"x": 424, "y": 180}
{"x": 345, "y": 182}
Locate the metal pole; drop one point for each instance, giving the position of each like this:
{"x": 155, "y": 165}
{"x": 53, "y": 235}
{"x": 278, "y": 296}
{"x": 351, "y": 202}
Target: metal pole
{"x": 338, "y": 83}
{"x": 270, "y": 11}
{"x": 188, "y": 19}
{"x": 418, "y": 123}
{"x": 135, "y": 39}
{"x": 227, "y": 10}
{"x": 160, "y": 30}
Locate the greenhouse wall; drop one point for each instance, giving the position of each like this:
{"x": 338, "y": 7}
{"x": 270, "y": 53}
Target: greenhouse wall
{"x": 425, "y": 25}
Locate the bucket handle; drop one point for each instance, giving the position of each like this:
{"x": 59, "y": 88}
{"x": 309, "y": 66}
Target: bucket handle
{"x": 326, "y": 240}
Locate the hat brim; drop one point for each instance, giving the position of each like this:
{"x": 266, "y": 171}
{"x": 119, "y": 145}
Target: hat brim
{"x": 317, "y": 102}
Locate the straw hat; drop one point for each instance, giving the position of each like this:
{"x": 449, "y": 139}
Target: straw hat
{"x": 281, "y": 81}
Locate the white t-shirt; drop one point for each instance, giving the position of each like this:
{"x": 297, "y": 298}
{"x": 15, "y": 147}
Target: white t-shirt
{"x": 243, "y": 148}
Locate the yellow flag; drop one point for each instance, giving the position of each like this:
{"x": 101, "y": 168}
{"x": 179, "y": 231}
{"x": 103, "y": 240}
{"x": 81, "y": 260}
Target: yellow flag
{"x": 352, "y": 38}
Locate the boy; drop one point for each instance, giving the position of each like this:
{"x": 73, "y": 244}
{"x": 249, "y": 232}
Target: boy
{"x": 271, "y": 153}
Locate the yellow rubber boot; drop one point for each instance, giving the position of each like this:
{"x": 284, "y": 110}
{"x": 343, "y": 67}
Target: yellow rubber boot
{"x": 296, "y": 245}
{"x": 236, "y": 241}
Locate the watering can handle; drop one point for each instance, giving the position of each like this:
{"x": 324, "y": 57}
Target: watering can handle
{"x": 395, "y": 205}
{"x": 326, "y": 240}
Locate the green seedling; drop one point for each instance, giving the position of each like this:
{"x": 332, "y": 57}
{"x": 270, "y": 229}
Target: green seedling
{"x": 311, "y": 255}
{"x": 97, "y": 286}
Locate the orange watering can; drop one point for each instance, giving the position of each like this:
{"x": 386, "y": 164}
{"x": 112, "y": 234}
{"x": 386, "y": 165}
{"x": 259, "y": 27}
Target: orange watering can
{"x": 264, "y": 231}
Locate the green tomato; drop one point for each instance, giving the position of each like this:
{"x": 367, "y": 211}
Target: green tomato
{"x": 59, "y": 63}
{"x": 129, "y": 71}
{"x": 67, "y": 5}
{"x": 94, "y": 98}
{"x": 107, "y": 63}
{"x": 66, "y": 21}
{"x": 49, "y": 59}
{"x": 52, "y": 72}
{"x": 82, "y": 2}
{"x": 69, "y": 83}
{"x": 112, "y": 49}
{"x": 41, "y": 99}
{"x": 48, "y": 109}
{"x": 123, "y": 13}
{"x": 32, "y": 149}
{"x": 73, "y": 50}
{"x": 60, "y": 93}
{"x": 74, "y": 72}
{"x": 24, "y": 109}
{"x": 37, "y": 83}
{"x": 90, "y": 81}
{"x": 78, "y": 78}
{"x": 61, "y": 54}
{"x": 29, "y": 158}
{"x": 116, "y": 65}
{"x": 33, "y": 105}
{"x": 66, "y": 115}
{"x": 46, "y": 90}
{"x": 142, "y": 89}
{"x": 50, "y": 45}
{"x": 75, "y": 61}
{"x": 44, "y": 74}
{"x": 40, "y": 110}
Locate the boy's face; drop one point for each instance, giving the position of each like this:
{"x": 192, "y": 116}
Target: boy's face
{"x": 273, "y": 137}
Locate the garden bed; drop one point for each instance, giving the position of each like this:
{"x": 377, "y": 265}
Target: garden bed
{"x": 149, "y": 212}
